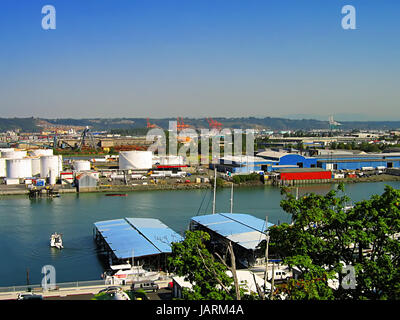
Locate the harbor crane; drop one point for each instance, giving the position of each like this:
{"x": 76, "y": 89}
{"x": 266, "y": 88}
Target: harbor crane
{"x": 151, "y": 125}
{"x": 181, "y": 124}
{"x": 87, "y": 135}
{"x": 214, "y": 124}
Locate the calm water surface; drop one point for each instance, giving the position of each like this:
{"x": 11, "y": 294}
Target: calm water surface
{"x": 26, "y": 225}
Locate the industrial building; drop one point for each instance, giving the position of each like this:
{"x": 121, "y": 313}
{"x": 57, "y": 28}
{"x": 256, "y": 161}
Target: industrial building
{"x": 245, "y": 231}
{"x": 146, "y": 240}
{"x": 280, "y": 159}
{"x": 240, "y": 164}
{"x": 304, "y": 174}
{"x": 86, "y": 182}
{"x": 358, "y": 161}
{"x": 329, "y": 160}
{"x": 266, "y": 161}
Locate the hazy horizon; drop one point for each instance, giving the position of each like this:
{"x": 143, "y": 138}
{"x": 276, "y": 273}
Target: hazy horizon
{"x": 209, "y": 58}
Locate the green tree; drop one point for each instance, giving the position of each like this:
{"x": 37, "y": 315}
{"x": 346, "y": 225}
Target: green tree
{"x": 325, "y": 236}
{"x": 191, "y": 259}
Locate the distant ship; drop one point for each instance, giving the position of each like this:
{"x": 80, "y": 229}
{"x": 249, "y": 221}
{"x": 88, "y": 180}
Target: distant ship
{"x": 56, "y": 241}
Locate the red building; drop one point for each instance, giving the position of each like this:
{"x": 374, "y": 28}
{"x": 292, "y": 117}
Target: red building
{"x": 305, "y": 174}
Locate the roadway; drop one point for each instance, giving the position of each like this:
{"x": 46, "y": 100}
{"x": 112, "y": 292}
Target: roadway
{"x": 87, "y": 293}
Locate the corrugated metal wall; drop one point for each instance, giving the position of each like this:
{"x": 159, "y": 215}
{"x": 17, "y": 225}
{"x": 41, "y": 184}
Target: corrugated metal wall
{"x": 315, "y": 175}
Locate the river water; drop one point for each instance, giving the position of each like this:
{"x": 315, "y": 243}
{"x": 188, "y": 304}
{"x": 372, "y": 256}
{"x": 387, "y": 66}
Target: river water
{"x": 26, "y": 225}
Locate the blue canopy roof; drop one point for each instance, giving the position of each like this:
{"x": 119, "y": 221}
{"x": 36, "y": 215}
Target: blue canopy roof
{"x": 243, "y": 229}
{"x": 156, "y": 232}
{"x": 130, "y": 237}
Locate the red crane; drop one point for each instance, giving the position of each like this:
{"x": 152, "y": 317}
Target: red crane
{"x": 214, "y": 124}
{"x": 150, "y": 125}
{"x": 181, "y": 125}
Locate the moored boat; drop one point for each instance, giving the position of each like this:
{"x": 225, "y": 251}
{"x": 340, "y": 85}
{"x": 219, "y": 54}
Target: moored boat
{"x": 126, "y": 274}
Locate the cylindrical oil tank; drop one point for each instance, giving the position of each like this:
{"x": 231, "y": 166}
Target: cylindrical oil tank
{"x": 35, "y": 166}
{"x": 135, "y": 160}
{"x": 81, "y": 165}
{"x": 13, "y": 154}
{"x": 48, "y": 163}
{"x": 19, "y": 168}
{"x": 3, "y": 170}
{"x": 41, "y": 152}
{"x": 53, "y": 176}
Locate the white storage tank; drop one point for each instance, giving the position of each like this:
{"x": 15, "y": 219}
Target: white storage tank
{"x": 135, "y": 160}
{"x": 19, "y": 168}
{"x": 13, "y": 154}
{"x": 3, "y": 170}
{"x": 53, "y": 176}
{"x": 35, "y": 166}
{"x": 41, "y": 152}
{"x": 48, "y": 163}
{"x": 81, "y": 165}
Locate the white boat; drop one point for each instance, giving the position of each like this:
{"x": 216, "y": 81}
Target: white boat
{"x": 127, "y": 274}
{"x": 56, "y": 241}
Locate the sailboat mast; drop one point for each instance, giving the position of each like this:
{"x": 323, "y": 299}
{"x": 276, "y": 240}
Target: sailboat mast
{"x": 232, "y": 198}
{"x": 266, "y": 254}
{"x": 215, "y": 187}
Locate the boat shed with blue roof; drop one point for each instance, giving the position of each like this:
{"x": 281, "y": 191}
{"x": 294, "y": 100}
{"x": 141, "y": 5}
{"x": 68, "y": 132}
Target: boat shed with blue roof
{"x": 146, "y": 240}
{"x": 245, "y": 231}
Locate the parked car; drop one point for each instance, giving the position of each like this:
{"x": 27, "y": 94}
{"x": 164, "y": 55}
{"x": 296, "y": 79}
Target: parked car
{"x": 144, "y": 285}
{"x": 29, "y": 296}
{"x": 111, "y": 289}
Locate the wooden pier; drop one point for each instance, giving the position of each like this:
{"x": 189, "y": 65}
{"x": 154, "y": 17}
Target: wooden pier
{"x": 46, "y": 192}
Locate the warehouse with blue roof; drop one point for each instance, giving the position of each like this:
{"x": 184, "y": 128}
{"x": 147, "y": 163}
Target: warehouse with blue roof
{"x": 243, "y": 230}
{"x": 358, "y": 161}
{"x": 147, "y": 240}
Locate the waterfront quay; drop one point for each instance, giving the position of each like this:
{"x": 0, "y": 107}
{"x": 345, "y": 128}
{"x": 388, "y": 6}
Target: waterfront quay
{"x": 81, "y": 290}
{"x": 38, "y": 171}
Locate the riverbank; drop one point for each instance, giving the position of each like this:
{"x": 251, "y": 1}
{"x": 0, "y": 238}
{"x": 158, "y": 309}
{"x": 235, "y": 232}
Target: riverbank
{"x": 22, "y": 189}
{"x": 375, "y": 178}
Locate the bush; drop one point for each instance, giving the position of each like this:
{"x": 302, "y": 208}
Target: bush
{"x": 246, "y": 177}
{"x": 220, "y": 182}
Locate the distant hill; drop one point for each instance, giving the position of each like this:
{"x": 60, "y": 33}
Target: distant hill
{"x": 22, "y": 124}
{"x": 100, "y": 124}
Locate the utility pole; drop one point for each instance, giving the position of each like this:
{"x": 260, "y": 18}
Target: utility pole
{"x": 266, "y": 255}
{"x": 215, "y": 187}
{"x": 27, "y": 278}
{"x": 271, "y": 296}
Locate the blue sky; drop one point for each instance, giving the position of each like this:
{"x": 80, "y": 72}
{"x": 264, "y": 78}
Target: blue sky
{"x": 198, "y": 58}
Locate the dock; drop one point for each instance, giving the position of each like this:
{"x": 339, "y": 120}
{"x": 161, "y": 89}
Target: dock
{"x": 146, "y": 240}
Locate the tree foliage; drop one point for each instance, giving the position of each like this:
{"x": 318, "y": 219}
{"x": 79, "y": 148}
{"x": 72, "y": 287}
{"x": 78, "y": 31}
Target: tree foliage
{"x": 191, "y": 259}
{"x": 325, "y": 236}
{"x": 246, "y": 177}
